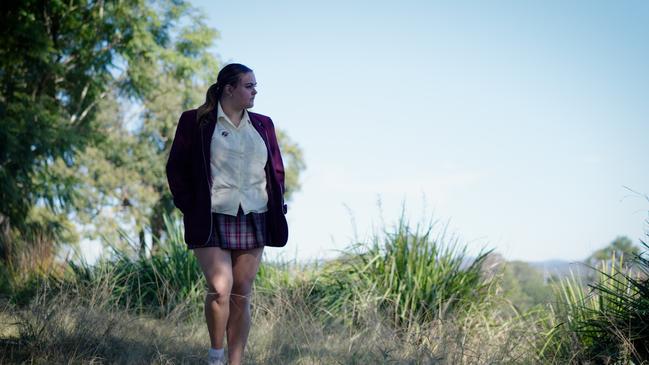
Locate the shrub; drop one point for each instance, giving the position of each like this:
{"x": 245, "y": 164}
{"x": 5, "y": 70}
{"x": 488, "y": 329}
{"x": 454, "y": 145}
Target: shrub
{"x": 608, "y": 324}
{"x": 167, "y": 281}
{"x": 407, "y": 274}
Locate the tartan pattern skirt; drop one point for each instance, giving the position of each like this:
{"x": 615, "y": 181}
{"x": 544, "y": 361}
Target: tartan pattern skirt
{"x": 243, "y": 232}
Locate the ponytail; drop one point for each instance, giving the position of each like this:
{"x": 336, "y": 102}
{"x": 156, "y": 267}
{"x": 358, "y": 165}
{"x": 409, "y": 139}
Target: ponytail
{"x": 229, "y": 75}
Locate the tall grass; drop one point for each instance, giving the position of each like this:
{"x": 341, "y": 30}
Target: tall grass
{"x": 82, "y": 327}
{"x": 407, "y": 296}
{"x": 67, "y": 328}
{"x": 170, "y": 279}
{"x": 606, "y": 321}
{"x": 422, "y": 278}
{"x": 407, "y": 274}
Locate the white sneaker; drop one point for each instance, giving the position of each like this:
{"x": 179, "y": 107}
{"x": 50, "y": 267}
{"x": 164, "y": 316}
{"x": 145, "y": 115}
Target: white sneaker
{"x": 215, "y": 360}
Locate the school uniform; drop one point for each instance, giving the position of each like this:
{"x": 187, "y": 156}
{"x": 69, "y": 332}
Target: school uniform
{"x": 228, "y": 181}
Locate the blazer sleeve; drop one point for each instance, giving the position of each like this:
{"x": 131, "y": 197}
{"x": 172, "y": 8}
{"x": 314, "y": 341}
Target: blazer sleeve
{"x": 179, "y": 164}
{"x": 278, "y": 164}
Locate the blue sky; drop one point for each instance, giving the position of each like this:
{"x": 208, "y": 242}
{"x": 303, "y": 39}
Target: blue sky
{"x": 517, "y": 124}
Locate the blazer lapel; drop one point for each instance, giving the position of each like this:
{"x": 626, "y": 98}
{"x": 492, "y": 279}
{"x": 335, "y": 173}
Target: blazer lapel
{"x": 206, "y": 141}
{"x": 259, "y": 126}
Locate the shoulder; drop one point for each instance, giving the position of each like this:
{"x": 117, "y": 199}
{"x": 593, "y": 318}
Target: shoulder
{"x": 188, "y": 119}
{"x": 260, "y": 117}
{"x": 188, "y": 115}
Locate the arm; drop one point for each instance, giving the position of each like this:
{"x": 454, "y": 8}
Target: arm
{"x": 178, "y": 165}
{"x": 278, "y": 164}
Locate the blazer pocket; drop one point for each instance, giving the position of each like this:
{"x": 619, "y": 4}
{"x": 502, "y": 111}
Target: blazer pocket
{"x": 183, "y": 202}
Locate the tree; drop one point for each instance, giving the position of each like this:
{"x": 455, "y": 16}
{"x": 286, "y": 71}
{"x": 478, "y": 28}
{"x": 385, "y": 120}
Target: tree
{"x": 620, "y": 246}
{"x": 67, "y": 143}
{"x": 57, "y": 61}
{"x": 524, "y": 285}
{"x": 293, "y": 163}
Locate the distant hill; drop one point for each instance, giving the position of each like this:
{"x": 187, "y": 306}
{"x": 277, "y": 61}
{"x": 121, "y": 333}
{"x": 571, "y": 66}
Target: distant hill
{"x": 559, "y": 268}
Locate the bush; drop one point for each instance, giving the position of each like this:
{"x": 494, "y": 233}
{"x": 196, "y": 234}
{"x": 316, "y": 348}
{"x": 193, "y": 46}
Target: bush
{"x": 161, "y": 284}
{"x": 611, "y": 322}
{"x": 409, "y": 275}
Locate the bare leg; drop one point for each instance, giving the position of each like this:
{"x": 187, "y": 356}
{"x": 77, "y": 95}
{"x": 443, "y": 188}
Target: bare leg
{"x": 244, "y": 269}
{"x": 217, "y": 268}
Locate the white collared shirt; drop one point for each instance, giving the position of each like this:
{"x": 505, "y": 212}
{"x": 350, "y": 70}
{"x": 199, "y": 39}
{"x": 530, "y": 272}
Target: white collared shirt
{"x": 238, "y": 156}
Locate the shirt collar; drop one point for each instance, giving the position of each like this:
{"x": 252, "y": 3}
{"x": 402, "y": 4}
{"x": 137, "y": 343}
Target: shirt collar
{"x": 220, "y": 115}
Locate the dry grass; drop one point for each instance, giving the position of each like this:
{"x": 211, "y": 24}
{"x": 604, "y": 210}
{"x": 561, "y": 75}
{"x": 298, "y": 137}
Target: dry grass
{"x": 288, "y": 332}
{"x": 408, "y": 299}
{"x": 68, "y": 328}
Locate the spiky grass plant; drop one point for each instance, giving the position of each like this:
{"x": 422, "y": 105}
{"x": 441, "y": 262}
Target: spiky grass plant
{"x": 606, "y": 321}
{"x": 620, "y": 328}
{"x": 161, "y": 284}
{"x": 407, "y": 274}
{"x": 421, "y": 277}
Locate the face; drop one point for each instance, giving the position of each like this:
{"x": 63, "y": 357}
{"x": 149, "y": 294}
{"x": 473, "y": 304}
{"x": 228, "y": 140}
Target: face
{"x": 243, "y": 95}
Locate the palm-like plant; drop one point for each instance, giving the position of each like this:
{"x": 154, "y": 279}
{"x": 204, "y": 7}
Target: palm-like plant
{"x": 609, "y": 322}
{"x": 621, "y": 325}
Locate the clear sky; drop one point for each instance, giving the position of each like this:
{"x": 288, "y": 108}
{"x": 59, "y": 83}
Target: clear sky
{"x": 516, "y": 123}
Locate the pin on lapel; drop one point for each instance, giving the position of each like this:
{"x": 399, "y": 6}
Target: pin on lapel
{"x": 224, "y": 133}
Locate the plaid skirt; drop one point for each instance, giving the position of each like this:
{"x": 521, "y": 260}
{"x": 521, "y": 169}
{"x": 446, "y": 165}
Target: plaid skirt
{"x": 243, "y": 232}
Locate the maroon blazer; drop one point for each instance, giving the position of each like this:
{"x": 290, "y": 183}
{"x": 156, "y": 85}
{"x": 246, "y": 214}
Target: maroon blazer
{"x": 190, "y": 180}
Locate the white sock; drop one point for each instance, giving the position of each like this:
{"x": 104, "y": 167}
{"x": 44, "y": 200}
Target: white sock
{"x": 215, "y": 353}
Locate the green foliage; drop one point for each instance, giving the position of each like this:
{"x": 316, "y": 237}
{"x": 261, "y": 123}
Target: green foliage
{"x": 421, "y": 289}
{"x": 58, "y": 61}
{"x": 293, "y": 163}
{"x": 608, "y": 324}
{"x": 409, "y": 277}
{"x": 408, "y": 274}
{"x": 424, "y": 278}
{"x": 342, "y": 310}
{"x": 621, "y": 246}
{"x": 119, "y": 182}
{"x": 169, "y": 279}
{"x": 91, "y": 94}
{"x": 85, "y": 328}
{"x": 524, "y": 285}
{"x": 274, "y": 276}
{"x": 620, "y": 328}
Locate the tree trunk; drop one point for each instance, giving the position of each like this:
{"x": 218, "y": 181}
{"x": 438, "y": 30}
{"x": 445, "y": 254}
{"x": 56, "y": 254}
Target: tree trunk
{"x": 5, "y": 240}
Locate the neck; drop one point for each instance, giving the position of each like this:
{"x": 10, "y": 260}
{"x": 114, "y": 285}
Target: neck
{"x": 233, "y": 113}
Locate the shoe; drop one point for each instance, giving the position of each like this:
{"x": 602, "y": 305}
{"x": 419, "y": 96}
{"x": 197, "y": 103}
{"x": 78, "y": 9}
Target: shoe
{"x": 214, "y": 360}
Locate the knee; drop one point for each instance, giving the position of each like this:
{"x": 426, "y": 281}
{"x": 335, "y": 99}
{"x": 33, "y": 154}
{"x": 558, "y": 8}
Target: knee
{"x": 218, "y": 289}
{"x": 241, "y": 293}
